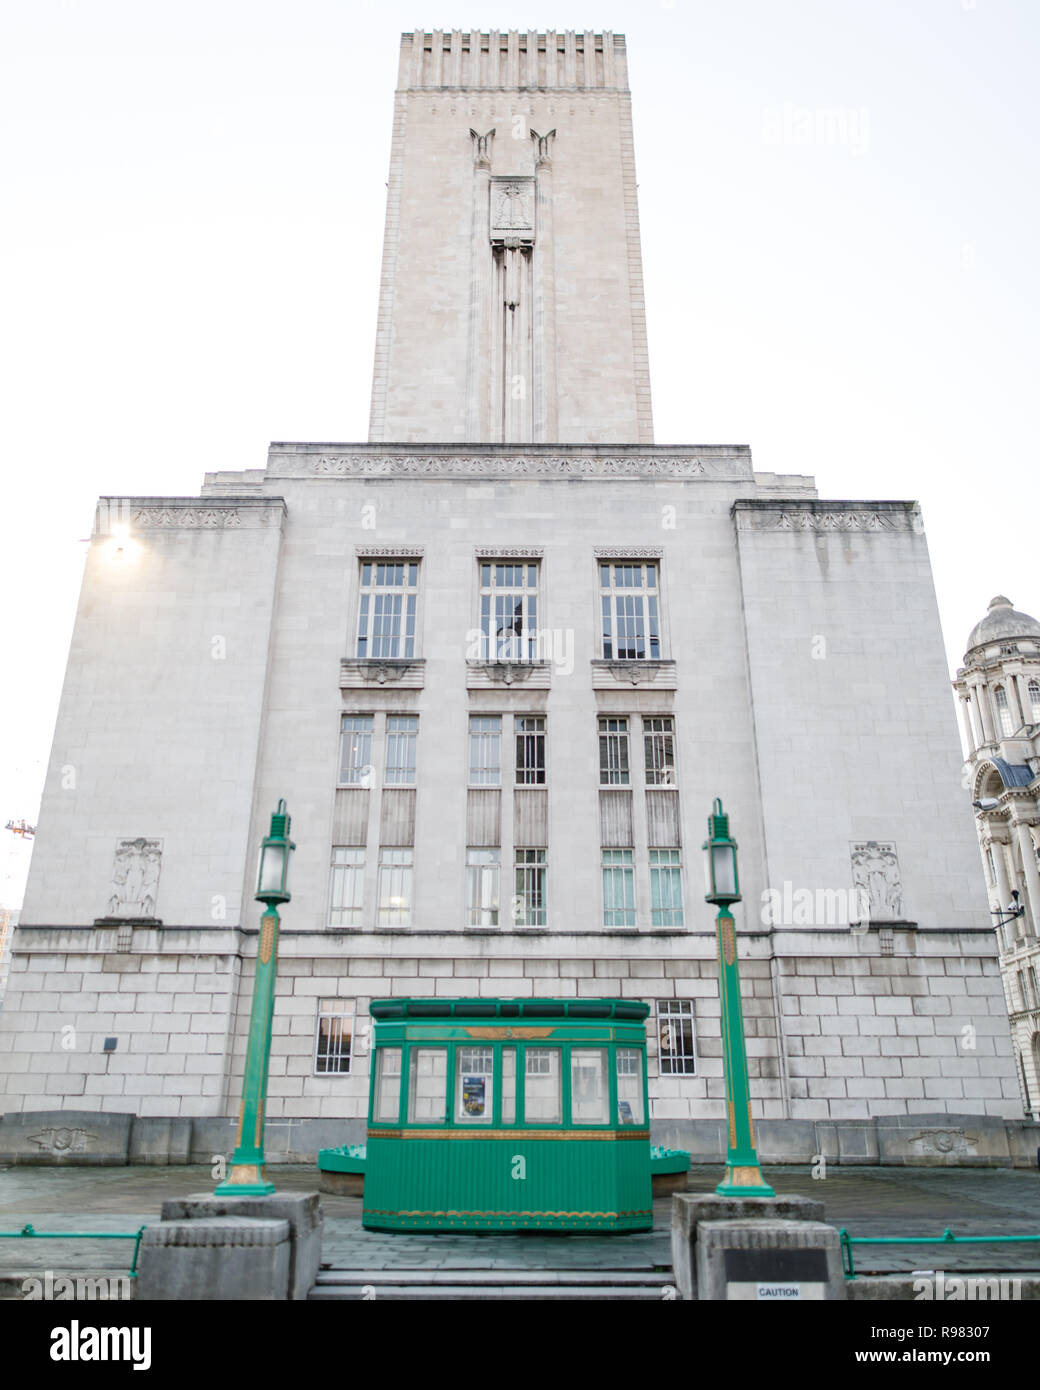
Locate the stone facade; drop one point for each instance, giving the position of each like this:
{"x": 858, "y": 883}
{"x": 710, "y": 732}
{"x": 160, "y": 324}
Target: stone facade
{"x": 999, "y": 691}
{"x": 241, "y": 646}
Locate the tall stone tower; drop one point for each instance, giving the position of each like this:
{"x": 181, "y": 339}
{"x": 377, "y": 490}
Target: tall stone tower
{"x": 511, "y": 305}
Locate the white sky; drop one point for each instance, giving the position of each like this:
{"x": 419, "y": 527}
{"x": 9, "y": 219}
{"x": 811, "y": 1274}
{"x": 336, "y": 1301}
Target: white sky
{"x": 191, "y": 216}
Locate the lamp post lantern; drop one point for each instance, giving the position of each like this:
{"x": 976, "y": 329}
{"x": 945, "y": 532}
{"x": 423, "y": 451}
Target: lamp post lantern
{"x": 743, "y": 1176}
{"x": 245, "y": 1177}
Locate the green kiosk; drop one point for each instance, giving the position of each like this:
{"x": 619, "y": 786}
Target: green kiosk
{"x": 508, "y": 1114}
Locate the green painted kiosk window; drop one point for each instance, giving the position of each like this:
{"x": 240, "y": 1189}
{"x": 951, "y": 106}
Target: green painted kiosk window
{"x": 543, "y": 1094}
{"x": 387, "y": 1100}
{"x": 474, "y": 1093}
{"x": 630, "y": 1085}
{"x": 428, "y": 1085}
{"x": 509, "y": 1085}
{"x": 589, "y": 1092}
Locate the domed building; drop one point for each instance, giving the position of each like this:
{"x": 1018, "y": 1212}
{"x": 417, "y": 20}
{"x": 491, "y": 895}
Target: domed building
{"x": 999, "y": 689}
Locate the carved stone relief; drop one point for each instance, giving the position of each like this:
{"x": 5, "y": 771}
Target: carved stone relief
{"x": 875, "y": 872}
{"x": 135, "y": 878}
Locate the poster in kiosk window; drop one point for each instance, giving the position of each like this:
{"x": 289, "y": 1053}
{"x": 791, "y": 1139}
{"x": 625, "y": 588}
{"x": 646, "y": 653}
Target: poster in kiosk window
{"x": 473, "y": 1095}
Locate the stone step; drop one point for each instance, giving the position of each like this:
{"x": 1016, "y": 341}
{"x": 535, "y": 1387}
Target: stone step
{"x": 485, "y": 1284}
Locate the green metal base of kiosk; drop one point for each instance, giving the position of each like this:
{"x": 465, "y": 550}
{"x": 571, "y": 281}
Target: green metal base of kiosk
{"x": 492, "y": 1222}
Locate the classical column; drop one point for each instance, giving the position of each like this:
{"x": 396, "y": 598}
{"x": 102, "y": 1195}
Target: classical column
{"x": 1014, "y": 703}
{"x": 1031, "y": 873}
{"x": 985, "y": 713}
{"x": 1003, "y": 889}
{"x": 966, "y": 713}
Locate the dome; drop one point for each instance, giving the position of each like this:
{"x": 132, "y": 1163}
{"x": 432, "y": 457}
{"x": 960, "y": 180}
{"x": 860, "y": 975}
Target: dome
{"x": 1002, "y": 622}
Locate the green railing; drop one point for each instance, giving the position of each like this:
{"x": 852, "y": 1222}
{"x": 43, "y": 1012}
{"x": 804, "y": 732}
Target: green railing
{"x": 947, "y": 1238}
{"x": 28, "y": 1231}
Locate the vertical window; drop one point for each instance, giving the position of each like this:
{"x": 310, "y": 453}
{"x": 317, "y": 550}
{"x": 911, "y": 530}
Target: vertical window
{"x": 509, "y": 1085}
{"x": 347, "y": 885}
{"x": 675, "y": 1038}
{"x": 355, "y": 750}
{"x": 401, "y": 733}
{"x": 386, "y": 613}
{"x": 1034, "y": 700}
{"x": 1003, "y": 711}
{"x": 529, "y": 899}
{"x": 666, "y": 888}
{"x": 428, "y": 1085}
{"x": 335, "y": 1031}
{"x": 386, "y": 1103}
{"x": 473, "y": 1077}
{"x": 508, "y": 611}
{"x": 485, "y": 750}
{"x": 629, "y": 600}
{"x": 395, "y": 887}
{"x": 630, "y": 1086}
{"x": 619, "y": 898}
{"x": 613, "y": 753}
{"x": 1034, "y": 987}
{"x": 530, "y": 750}
{"x": 589, "y": 1090}
{"x": 543, "y": 1098}
{"x": 659, "y": 752}
{"x": 482, "y": 876}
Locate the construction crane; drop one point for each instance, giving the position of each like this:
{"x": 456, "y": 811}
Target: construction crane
{"x": 21, "y": 827}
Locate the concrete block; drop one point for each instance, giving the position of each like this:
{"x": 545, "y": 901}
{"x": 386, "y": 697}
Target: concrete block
{"x": 300, "y": 1211}
{"x": 769, "y": 1260}
{"x": 216, "y": 1259}
{"x": 65, "y": 1136}
{"x": 689, "y": 1211}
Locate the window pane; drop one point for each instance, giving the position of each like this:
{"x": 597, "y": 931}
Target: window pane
{"x": 508, "y": 612}
{"x": 485, "y": 742}
{"x": 530, "y": 750}
{"x": 387, "y": 1102}
{"x": 401, "y": 732}
{"x": 619, "y": 902}
{"x": 395, "y": 887}
{"x": 589, "y": 1094}
{"x": 529, "y": 906}
{"x": 676, "y": 1051}
{"x": 666, "y": 888}
{"x": 631, "y": 629}
{"x": 386, "y": 611}
{"x": 474, "y": 1103}
{"x": 509, "y": 1085}
{"x": 346, "y": 886}
{"x": 613, "y": 753}
{"x": 659, "y": 750}
{"x": 482, "y": 879}
{"x": 630, "y": 1086}
{"x": 543, "y": 1101}
{"x": 335, "y": 1030}
{"x": 355, "y": 750}
{"x": 428, "y": 1085}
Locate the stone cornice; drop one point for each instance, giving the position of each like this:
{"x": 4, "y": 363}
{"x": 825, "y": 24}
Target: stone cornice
{"x": 188, "y": 513}
{"x": 810, "y": 514}
{"x": 714, "y": 463}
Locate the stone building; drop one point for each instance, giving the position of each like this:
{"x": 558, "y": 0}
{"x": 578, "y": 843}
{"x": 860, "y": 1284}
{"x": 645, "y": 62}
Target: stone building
{"x": 999, "y": 690}
{"x": 499, "y": 660}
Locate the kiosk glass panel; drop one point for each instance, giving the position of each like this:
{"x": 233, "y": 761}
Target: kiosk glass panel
{"x": 474, "y": 1100}
{"x": 543, "y": 1098}
{"x": 589, "y": 1091}
{"x": 509, "y": 1085}
{"x": 387, "y": 1101}
{"x": 630, "y": 1086}
{"x": 428, "y": 1085}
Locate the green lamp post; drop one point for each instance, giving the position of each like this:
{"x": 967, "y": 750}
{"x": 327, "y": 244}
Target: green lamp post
{"x": 722, "y": 887}
{"x": 245, "y": 1177}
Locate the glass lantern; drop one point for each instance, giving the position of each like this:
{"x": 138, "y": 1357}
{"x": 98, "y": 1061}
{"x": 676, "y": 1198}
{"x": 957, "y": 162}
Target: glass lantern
{"x": 721, "y": 883}
{"x": 272, "y": 879}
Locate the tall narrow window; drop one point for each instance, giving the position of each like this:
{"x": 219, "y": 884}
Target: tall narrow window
{"x": 543, "y": 1097}
{"x": 334, "y": 1036}
{"x": 1003, "y": 711}
{"x": 474, "y": 1101}
{"x": 619, "y": 898}
{"x": 1034, "y": 701}
{"x": 530, "y": 750}
{"x": 629, "y": 602}
{"x": 428, "y": 1085}
{"x": 508, "y": 611}
{"x": 386, "y": 1100}
{"x": 485, "y": 750}
{"x": 666, "y": 888}
{"x": 346, "y": 886}
{"x": 355, "y": 751}
{"x": 529, "y": 901}
{"x": 677, "y": 1055}
{"x": 386, "y": 613}
{"x": 613, "y": 753}
{"x": 395, "y": 887}
{"x": 630, "y": 1085}
{"x": 482, "y": 871}
{"x": 401, "y": 733}
{"x": 659, "y": 751}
